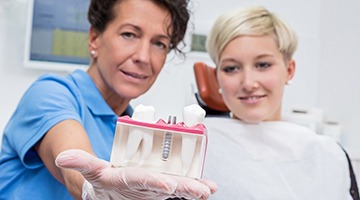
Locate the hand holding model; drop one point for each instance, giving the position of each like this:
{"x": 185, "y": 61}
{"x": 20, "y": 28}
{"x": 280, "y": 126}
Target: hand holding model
{"x": 104, "y": 181}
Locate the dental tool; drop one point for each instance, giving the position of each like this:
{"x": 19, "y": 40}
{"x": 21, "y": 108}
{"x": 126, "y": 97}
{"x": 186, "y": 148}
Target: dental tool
{"x": 136, "y": 135}
{"x": 167, "y": 141}
{"x": 193, "y": 115}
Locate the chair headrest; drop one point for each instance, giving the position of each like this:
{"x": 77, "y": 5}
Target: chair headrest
{"x": 208, "y": 87}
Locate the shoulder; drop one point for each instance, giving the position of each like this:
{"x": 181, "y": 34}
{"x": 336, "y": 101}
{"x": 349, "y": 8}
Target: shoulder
{"x": 50, "y": 80}
{"x": 53, "y": 86}
{"x": 321, "y": 144}
{"x": 50, "y": 94}
{"x": 299, "y": 140}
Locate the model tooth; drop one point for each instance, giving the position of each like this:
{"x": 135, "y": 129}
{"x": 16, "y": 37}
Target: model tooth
{"x": 147, "y": 146}
{"x": 193, "y": 115}
{"x": 133, "y": 143}
{"x": 144, "y": 114}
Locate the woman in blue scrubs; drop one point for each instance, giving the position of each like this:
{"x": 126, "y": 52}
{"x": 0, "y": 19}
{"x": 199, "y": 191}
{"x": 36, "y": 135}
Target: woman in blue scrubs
{"x": 128, "y": 43}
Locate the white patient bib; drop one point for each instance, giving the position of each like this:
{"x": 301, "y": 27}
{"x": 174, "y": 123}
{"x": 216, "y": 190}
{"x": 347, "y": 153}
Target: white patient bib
{"x": 274, "y": 161}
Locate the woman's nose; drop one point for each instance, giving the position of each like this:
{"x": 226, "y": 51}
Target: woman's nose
{"x": 142, "y": 54}
{"x": 249, "y": 81}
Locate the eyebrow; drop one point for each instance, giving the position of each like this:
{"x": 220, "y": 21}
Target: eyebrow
{"x": 228, "y": 60}
{"x": 236, "y": 60}
{"x": 265, "y": 55}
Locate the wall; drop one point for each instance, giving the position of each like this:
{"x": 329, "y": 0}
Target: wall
{"x": 326, "y": 60}
{"x": 14, "y": 79}
{"x": 339, "y": 82}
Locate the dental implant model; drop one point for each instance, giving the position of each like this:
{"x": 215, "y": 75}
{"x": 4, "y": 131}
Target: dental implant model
{"x": 166, "y": 147}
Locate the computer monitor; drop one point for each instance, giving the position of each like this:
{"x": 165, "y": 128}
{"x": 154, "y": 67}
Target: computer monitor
{"x": 57, "y": 35}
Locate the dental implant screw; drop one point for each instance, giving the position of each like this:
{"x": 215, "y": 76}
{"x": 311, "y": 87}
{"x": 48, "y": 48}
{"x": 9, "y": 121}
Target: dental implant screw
{"x": 166, "y": 147}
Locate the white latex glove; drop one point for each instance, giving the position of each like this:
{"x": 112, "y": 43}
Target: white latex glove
{"x": 103, "y": 181}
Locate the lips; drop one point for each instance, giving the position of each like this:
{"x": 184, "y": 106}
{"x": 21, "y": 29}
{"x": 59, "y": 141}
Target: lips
{"x": 135, "y": 75}
{"x": 252, "y": 97}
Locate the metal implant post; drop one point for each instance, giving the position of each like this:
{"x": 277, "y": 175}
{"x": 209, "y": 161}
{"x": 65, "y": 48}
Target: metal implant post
{"x": 166, "y": 146}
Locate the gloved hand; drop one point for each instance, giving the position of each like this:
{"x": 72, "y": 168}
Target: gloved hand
{"x": 104, "y": 181}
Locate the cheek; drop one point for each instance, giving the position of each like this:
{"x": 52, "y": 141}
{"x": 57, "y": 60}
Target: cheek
{"x": 270, "y": 83}
{"x": 156, "y": 69}
{"x": 274, "y": 81}
{"x": 223, "y": 81}
{"x": 158, "y": 62}
{"x": 229, "y": 88}
{"x": 159, "y": 66}
{"x": 275, "y": 87}
{"x": 111, "y": 58}
{"x": 222, "y": 84}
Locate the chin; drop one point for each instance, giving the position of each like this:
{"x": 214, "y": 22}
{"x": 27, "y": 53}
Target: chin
{"x": 249, "y": 119}
{"x": 132, "y": 93}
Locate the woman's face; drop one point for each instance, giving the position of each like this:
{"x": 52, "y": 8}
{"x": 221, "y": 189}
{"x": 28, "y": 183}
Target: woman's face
{"x": 131, "y": 51}
{"x": 252, "y": 75}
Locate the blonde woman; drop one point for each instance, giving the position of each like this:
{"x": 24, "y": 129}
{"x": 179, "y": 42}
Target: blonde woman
{"x": 254, "y": 154}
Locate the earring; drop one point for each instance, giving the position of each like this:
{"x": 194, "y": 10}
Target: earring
{"x": 92, "y": 52}
{"x": 288, "y": 82}
{"x": 220, "y": 91}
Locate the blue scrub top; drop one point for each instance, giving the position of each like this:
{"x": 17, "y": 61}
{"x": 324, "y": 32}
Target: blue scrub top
{"x": 50, "y": 100}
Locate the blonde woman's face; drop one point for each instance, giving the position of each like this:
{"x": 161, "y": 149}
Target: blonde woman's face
{"x": 252, "y": 75}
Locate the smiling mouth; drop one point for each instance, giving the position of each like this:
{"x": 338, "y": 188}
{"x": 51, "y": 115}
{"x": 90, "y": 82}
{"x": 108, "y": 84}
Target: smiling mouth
{"x": 252, "y": 98}
{"x": 134, "y": 75}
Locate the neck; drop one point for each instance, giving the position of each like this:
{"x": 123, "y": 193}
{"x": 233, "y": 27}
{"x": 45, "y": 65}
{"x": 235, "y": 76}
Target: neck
{"x": 118, "y": 105}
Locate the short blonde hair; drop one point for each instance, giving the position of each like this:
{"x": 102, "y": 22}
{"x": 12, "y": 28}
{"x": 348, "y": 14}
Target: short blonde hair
{"x": 250, "y": 21}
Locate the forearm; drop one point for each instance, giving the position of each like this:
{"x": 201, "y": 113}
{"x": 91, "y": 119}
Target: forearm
{"x": 68, "y": 134}
{"x": 73, "y": 181}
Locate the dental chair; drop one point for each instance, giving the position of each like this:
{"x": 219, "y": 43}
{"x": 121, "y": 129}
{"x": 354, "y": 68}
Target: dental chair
{"x": 208, "y": 96}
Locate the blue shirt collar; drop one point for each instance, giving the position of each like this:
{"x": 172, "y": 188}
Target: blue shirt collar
{"x": 92, "y": 96}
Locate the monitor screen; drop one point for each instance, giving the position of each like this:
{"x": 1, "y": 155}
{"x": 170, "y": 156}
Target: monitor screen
{"x": 57, "y": 35}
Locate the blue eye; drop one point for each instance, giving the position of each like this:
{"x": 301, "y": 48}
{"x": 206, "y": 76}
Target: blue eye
{"x": 263, "y": 65}
{"x": 230, "y": 69}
